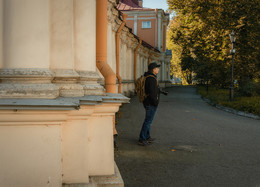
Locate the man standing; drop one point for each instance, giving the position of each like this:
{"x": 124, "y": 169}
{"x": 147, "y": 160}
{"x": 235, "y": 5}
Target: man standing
{"x": 150, "y": 103}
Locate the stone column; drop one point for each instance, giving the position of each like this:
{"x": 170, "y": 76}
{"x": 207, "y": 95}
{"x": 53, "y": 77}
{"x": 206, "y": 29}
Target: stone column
{"x": 165, "y": 71}
{"x": 141, "y": 65}
{"x": 62, "y": 50}
{"x": 162, "y": 70}
{"x": 169, "y": 71}
{"x": 164, "y": 38}
{"x": 123, "y": 64}
{"x": 85, "y": 46}
{"x": 26, "y": 48}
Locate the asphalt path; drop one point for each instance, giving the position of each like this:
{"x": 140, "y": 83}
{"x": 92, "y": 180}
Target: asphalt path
{"x": 196, "y": 145}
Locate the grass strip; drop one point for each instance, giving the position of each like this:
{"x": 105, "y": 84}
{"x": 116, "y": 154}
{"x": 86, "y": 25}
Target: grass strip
{"x": 221, "y": 97}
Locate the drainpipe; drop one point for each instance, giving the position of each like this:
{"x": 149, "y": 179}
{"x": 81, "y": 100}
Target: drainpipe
{"x": 117, "y": 53}
{"x": 101, "y": 47}
{"x": 135, "y": 64}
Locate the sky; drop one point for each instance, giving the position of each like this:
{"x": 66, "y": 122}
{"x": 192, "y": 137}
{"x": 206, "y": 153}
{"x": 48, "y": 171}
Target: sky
{"x": 160, "y": 4}
{"x": 155, "y": 4}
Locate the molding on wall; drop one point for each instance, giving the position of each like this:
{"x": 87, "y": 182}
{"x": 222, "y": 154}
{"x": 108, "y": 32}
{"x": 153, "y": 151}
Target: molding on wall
{"x": 66, "y": 80}
{"x": 89, "y": 81}
{"x": 27, "y": 83}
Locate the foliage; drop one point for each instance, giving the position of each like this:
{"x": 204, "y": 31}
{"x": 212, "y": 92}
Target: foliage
{"x": 221, "y": 97}
{"x": 176, "y": 58}
{"x": 214, "y": 94}
{"x": 200, "y": 33}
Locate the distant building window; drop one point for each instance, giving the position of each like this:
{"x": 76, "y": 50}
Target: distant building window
{"x": 146, "y": 24}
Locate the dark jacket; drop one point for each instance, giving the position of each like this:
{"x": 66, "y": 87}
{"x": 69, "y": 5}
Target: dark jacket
{"x": 152, "y": 90}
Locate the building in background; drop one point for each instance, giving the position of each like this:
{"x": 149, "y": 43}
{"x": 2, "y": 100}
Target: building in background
{"x": 148, "y": 24}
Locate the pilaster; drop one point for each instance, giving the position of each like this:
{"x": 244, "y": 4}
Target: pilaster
{"x": 135, "y": 24}
{"x": 75, "y": 154}
{"x": 159, "y": 30}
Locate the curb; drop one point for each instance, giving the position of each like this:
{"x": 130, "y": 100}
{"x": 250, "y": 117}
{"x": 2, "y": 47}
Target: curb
{"x": 231, "y": 110}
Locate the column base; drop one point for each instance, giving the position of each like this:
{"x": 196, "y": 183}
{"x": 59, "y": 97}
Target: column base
{"x": 89, "y": 81}
{"x": 104, "y": 181}
{"x": 66, "y": 80}
{"x": 41, "y": 91}
{"x": 27, "y": 83}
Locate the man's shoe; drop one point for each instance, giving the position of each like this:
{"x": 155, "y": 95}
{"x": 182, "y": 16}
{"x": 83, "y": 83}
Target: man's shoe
{"x": 150, "y": 140}
{"x": 143, "y": 143}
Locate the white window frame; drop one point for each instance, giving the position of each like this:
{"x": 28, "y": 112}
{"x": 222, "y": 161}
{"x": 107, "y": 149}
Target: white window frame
{"x": 146, "y": 25}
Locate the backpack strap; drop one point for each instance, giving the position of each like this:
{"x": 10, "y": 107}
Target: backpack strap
{"x": 153, "y": 77}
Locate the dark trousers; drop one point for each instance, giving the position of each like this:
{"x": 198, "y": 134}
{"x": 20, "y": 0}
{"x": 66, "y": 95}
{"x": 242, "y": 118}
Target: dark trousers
{"x": 150, "y": 112}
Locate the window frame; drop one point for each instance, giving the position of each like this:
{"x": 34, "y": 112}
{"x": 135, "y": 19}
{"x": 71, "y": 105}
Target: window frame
{"x": 145, "y": 25}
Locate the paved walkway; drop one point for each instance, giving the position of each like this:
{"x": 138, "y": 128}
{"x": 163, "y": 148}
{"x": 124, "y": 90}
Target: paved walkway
{"x": 197, "y": 145}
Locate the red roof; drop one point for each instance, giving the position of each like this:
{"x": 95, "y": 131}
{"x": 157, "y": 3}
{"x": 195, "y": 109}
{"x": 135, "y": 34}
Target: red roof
{"x": 129, "y": 5}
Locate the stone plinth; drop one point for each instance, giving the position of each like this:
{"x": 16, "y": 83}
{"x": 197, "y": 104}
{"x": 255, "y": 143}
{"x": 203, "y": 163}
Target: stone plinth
{"x": 67, "y": 81}
{"x": 27, "y": 83}
{"x": 89, "y": 81}
{"x": 66, "y": 140}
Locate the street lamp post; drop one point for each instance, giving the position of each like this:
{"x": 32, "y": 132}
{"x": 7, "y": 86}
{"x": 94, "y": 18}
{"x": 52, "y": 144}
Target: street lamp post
{"x": 232, "y": 52}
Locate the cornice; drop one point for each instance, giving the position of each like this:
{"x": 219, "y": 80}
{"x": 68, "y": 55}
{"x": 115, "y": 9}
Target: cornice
{"x": 112, "y": 13}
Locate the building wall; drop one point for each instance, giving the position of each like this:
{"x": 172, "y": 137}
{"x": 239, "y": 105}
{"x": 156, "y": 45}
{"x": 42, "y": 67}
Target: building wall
{"x": 48, "y": 42}
{"x": 147, "y": 34}
{"x": 127, "y": 45}
{"x": 63, "y": 146}
{"x": 130, "y": 22}
{"x": 164, "y": 37}
{"x": 56, "y": 121}
{"x": 156, "y": 35}
{"x": 30, "y": 153}
{"x": 55, "y": 117}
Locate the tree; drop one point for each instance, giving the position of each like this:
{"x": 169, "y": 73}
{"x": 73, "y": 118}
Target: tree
{"x": 201, "y": 30}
